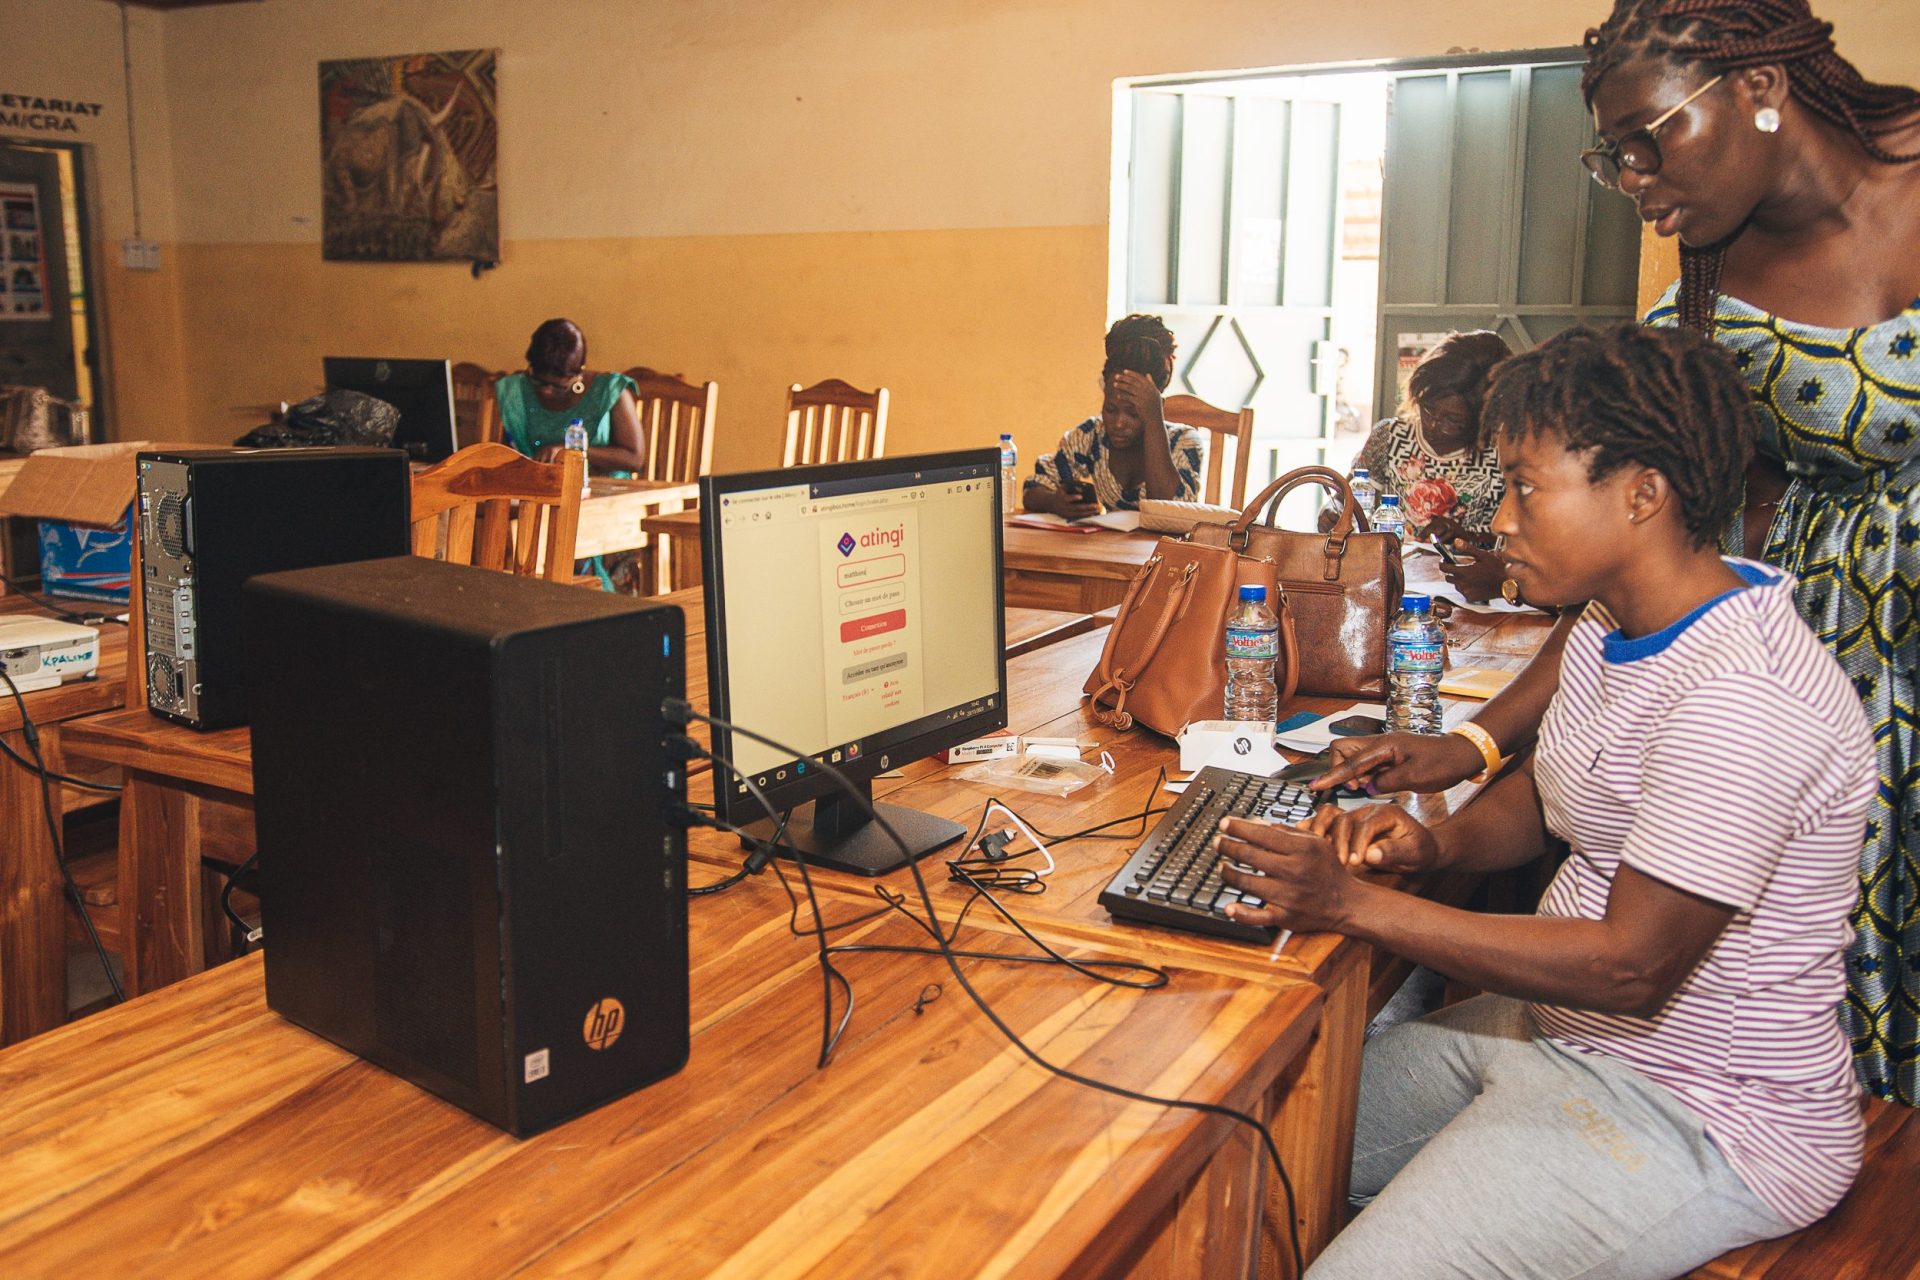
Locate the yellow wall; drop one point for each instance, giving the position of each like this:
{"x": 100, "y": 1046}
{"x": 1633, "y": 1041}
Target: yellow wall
{"x": 756, "y": 191}
{"x": 59, "y": 49}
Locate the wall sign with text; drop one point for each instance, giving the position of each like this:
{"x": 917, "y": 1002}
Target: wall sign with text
{"x": 23, "y": 254}
{"x": 45, "y": 115}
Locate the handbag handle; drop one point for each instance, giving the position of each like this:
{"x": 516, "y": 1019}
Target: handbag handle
{"x": 1289, "y": 653}
{"x": 1239, "y": 532}
{"x": 1176, "y": 605}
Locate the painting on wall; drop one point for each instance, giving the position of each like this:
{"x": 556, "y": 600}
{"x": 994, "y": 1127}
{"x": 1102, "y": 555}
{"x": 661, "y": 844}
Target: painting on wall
{"x": 409, "y": 148}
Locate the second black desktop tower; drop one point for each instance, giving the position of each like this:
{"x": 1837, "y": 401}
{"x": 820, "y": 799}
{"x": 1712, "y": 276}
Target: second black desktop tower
{"x": 469, "y": 874}
{"x": 210, "y": 520}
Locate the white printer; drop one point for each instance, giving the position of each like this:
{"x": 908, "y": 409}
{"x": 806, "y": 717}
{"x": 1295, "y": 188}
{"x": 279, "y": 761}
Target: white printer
{"x": 40, "y": 653}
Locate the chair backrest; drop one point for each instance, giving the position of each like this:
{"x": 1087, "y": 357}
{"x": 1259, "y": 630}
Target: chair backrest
{"x": 1228, "y": 431}
{"x": 476, "y": 415}
{"x": 833, "y": 422}
{"x": 676, "y": 424}
{"x": 463, "y": 511}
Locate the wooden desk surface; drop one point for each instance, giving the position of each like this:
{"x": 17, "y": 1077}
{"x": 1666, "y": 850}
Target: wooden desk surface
{"x": 1080, "y": 571}
{"x": 613, "y": 513}
{"x": 195, "y": 1132}
{"x": 1050, "y": 682}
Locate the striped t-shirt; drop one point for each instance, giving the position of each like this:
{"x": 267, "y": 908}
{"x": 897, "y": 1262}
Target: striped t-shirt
{"x": 1727, "y": 756}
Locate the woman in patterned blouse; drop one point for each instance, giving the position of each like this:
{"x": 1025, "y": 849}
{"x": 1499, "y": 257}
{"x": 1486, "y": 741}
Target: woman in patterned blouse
{"x": 1130, "y": 451}
{"x": 1434, "y": 457}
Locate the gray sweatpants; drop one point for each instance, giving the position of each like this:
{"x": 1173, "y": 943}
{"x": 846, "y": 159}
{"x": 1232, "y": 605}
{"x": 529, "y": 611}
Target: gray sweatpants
{"x": 1483, "y": 1151}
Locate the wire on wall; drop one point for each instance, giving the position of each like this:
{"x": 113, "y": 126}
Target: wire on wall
{"x": 133, "y": 156}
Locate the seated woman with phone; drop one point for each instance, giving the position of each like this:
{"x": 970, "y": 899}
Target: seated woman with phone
{"x": 1436, "y": 456}
{"x": 1656, "y": 1073}
{"x": 1130, "y": 451}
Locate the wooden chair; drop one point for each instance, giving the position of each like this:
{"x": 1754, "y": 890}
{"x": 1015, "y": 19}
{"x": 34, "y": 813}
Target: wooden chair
{"x": 463, "y": 511}
{"x": 833, "y": 422}
{"x": 676, "y": 420}
{"x": 476, "y": 414}
{"x": 1227, "y": 431}
{"x": 1862, "y": 1236}
{"x": 676, "y": 424}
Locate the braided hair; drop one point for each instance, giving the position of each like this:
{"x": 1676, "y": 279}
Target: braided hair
{"x": 1668, "y": 399}
{"x": 1727, "y": 35}
{"x": 1143, "y": 344}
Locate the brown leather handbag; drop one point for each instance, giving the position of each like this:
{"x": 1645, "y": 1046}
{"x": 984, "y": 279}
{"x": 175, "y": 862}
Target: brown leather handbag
{"x": 1342, "y": 587}
{"x": 1164, "y": 662}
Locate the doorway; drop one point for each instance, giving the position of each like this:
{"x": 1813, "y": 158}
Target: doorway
{"x": 48, "y": 309}
{"x": 1308, "y": 233}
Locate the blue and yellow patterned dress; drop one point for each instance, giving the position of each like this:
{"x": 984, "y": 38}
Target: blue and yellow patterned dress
{"x": 1841, "y": 408}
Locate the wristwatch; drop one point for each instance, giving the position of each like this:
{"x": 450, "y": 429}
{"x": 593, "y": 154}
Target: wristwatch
{"x": 1510, "y": 591}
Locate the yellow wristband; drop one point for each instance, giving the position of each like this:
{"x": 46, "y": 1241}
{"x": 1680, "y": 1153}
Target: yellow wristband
{"x": 1481, "y": 739}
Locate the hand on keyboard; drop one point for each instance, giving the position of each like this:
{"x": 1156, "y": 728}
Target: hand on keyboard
{"x": 1295, "y": 875}
{"x": 1381, "y": 837}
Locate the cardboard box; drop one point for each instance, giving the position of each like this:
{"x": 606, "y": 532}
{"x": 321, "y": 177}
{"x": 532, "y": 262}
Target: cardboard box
{"x": 82, "y": 495}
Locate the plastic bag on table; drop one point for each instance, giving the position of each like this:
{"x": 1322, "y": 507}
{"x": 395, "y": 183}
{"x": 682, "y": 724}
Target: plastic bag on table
{"x": 1045, "y": 775}
{"x": 332, "y": 417}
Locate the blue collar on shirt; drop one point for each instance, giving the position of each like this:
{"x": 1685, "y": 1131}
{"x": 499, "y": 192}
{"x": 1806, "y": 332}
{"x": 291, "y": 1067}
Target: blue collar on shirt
{"x": 1616, "y": 647}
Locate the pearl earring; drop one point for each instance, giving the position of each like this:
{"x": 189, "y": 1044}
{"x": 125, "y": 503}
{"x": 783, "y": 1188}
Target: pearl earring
{"x": 1767, "y": 120}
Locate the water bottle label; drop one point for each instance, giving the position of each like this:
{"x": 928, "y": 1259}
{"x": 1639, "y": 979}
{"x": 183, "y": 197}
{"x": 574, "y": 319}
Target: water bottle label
{"x": 1262, "y": 645}
{"x": 1418, "y": 655}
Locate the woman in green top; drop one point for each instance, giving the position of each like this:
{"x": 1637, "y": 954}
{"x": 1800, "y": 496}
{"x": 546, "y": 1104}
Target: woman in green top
{"x": 537, "y": 406}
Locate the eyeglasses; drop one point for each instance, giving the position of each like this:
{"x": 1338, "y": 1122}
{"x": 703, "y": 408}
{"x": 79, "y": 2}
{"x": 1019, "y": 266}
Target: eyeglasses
{"x": 1638, "y": 150}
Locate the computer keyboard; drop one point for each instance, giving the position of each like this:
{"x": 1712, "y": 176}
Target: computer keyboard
{"x": 1173, "y": 878}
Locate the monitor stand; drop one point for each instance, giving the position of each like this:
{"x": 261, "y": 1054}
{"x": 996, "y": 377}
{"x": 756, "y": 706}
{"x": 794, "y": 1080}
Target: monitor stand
{"x": 838, "y": 833}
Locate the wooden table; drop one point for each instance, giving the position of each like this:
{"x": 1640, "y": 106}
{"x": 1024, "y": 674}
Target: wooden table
{"x": 1356, "y": 982}
{"x": 271, "y": 1182}
{"x": 1082, "y": 571}
{"x": 193, "y": 1132}
{"x": 612, "y": 515}
{"x": 188, "y": 800}
{"x": 33, "y": 904}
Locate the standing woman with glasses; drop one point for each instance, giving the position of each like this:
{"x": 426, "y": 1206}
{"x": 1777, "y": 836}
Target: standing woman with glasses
{"x": 1793, "y": 184}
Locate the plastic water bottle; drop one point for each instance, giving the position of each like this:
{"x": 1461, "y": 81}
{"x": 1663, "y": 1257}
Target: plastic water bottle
{"x": 1388, "y": 518}
{"x": 1365, "y": 495}
{"x": 1416, "y": 652}
{"x": 1253, "y": 645}
{"x": 577, "y": 441}
{"x": 1009, "y": 473}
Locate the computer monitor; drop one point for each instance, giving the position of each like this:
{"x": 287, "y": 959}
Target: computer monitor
{"x": 853, "y": 613}
{"x": 422, "y": 390}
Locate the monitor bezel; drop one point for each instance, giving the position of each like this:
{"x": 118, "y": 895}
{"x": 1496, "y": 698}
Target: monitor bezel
{"x": 437, "y": 446}
{"x": 739, "y": 808}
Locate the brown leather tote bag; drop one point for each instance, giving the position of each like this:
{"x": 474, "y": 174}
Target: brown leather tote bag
{"x": 1342, "y": 587}
{"x": 1164, "y": 663}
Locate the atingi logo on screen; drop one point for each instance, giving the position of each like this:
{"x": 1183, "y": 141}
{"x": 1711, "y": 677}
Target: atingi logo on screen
{"x": 893, "y": 537}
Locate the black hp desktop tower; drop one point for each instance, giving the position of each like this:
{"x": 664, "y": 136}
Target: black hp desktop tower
{"x": 468, "y": 871}
{"x": 209, "y": 521}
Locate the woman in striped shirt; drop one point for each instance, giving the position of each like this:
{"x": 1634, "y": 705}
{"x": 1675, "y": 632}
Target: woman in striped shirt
{"x": 1657, "y": 1073}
